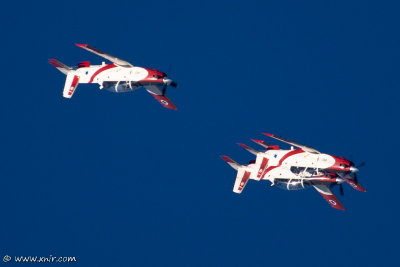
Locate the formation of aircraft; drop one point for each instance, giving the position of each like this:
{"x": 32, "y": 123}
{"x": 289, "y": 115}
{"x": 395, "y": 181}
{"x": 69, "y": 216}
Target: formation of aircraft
{"x": 118, "y": 76}
{"x": 290, "y": 169}
{"x": 295, "y": 169}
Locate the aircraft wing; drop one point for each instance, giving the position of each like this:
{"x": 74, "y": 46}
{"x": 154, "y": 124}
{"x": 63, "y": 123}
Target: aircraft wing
{"x": 305, "y": 148}
{"x": 109, "y": 57}
{"x": 157, "y": 93}
{"x": 355, "y": 185}
{"x": 327, "y": 194}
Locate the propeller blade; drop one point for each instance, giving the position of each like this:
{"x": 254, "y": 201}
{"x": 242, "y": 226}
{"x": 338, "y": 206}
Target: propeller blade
{"x": 174, "y": 84}
{"x": 341, "y": 190}
{"x": 355, "y": 178}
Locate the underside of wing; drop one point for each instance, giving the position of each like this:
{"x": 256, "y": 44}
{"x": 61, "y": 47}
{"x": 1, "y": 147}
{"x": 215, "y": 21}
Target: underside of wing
{"x": 327, "y": 194}
{"x": 305, "y": 148}
{"x": 109, "y": 57}
{"x": 157, "y": 93}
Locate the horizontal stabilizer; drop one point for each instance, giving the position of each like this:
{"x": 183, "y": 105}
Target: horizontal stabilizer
{"x": 231, "y": 162}
{"x": 251, "y": 150}
{"x": 60, "y": 66}
{"x": 242, "y": 178}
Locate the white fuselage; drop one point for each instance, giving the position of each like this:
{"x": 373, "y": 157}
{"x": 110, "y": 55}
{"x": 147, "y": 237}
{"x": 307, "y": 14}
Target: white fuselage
{"x": 274, "y": 164}
{"x": 110, "y": 72}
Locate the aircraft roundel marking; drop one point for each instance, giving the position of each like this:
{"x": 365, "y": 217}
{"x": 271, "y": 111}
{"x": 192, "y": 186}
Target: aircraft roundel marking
{"x": 332, "y": 202}
{"x": 164, "y": 102}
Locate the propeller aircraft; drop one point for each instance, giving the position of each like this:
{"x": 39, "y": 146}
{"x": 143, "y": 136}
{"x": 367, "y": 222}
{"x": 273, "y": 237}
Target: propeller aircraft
{"x": 296, "y": 169}
{"x": 118, "y": 76}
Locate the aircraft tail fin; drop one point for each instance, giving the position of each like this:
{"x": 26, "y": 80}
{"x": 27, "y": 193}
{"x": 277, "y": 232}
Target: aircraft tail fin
{"x": 241, "y": 180}
{"x": 242, "y": 176}
{"x": 60, "y": 66}
{"x": 71, "y": 82}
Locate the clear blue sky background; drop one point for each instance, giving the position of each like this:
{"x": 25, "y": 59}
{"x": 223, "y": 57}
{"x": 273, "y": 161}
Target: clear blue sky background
{"x": 117, "y": 180}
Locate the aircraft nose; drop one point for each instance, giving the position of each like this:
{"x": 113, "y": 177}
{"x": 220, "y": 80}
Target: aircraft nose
{"x": 353, "y": 169}
{"x": 168, "y": 81}
{"x": 339, "y": 180}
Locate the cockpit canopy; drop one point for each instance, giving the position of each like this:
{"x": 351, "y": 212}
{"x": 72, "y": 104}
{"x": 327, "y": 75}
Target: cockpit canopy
{"x": 292, "y": 184}
{"x": 303, "y": 170}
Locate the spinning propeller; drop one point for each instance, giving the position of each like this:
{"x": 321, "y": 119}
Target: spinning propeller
{"x": 168, "y": 82}
{"x": 351, "y": 179}
{"x": 353, "y": 174}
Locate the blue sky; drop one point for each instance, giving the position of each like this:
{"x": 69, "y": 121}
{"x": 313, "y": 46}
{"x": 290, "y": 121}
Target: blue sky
{"x": 117, "y": 180}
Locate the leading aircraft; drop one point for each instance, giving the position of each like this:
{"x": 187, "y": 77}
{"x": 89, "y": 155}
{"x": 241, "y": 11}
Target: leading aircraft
{"x": 296, "y": 169}
{"x": 118, "y": 76}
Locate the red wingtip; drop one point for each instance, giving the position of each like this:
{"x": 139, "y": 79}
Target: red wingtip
{"x": 257, "y": 141}
{"x": 241, "y": 145}
{"x": 358, "y": 187}
{"x": 173, "y": 107}
{"x": 81, "y": 45}
{"x": 227, "y": 159}
{"x": 54, "y": 62}
{"x": 362, "y": 189}
{"x": 268, "y": 134}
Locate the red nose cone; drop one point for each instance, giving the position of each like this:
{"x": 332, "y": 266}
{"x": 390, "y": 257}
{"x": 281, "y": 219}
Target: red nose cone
{"x": 341, "y": 164}
{"x": 155, "y": 74}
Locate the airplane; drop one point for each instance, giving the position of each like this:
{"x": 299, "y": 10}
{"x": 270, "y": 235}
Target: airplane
{"x": 296, "y": 169}
{"x": 118, "y": 76}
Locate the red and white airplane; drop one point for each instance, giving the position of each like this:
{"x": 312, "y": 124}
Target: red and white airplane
{"x": 118, "y": 76}
{"x": 296, "y": 169}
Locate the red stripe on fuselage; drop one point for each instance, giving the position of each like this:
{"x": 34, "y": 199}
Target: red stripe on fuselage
{"x": 291, "y": 153}
{"x": 106, "y": 67}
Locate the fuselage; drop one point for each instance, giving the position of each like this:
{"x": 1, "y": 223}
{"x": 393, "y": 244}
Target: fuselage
{"x": 118, "y": 76}
{"x": 112, "y": 77}
{"x": 293, "y": 167}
